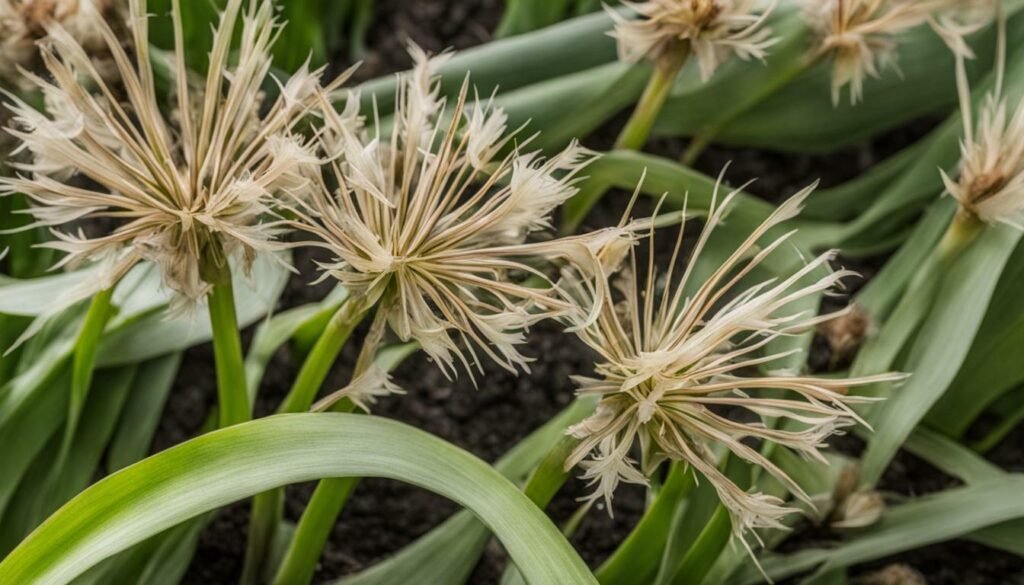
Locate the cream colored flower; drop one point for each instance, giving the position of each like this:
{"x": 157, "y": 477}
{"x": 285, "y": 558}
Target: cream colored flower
{"x": 962, "y": 19}
{"x": 429, "y": 222}
{"x": 23, "y": 23}
{"x": 177, "y": 189}
{"x": 677, "y": 358}
{"x": 861, "y": 36}
{"x": 990, "y": 185}
{"x": 713, "y": 30}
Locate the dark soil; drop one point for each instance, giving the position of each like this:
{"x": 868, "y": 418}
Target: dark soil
{"x": 383, "y": 516}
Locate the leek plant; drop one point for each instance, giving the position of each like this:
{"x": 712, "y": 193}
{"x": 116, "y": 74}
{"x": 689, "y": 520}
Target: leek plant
{"x": 168, "y": 159}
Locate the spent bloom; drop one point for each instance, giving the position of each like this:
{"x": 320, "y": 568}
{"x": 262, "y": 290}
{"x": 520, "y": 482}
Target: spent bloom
{"x": 962, "y": 18}
{"x": 23, "y": 23}
{"x": 860, "y": 36}
{"x": 712, "y": 30}
{"x": 429, "y": 222}
{"x": 678, "y": 373}
{"x": 990, "y": 185}
{"x": 181, "y": 189}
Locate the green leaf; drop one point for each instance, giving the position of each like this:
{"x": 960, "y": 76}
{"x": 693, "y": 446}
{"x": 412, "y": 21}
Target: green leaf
{"x": 508, "y": 64}
{"x": 134, "y": 436}
{"x": 238, "y": 462}
{"x": 448, "y": 553}
{"x": 141, "y": 332}
{"x": 941, "y": 346}
{"x": 927, "y": 520}
{"x": 992, "y": 368}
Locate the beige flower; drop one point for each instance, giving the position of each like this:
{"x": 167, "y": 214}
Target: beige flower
{"x": 429, "y": 222}
{"x": 23, "y": 23}
{"x": 178, "y": 189}
{"x": 990, "y": 185}
{"x": 678, "y": 357}
{"x": 861, "y": 36}
{"x": 713, "y": 30}
{"x": 962, "y": 19}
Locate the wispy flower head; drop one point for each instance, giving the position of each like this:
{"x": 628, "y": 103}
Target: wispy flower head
{"x": 430, "y": 222}
{"x": 23, "y": 23}
{"x": 961, "y": 19}
{"x": 178, "y": 189}
{"x": 860, "y": 36}
{"x": 990, "y": 185}
{"x": 713, "y": 30}
{"x": 677, "y": 356}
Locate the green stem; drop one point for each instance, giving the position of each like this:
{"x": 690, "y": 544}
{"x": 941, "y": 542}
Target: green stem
{"x": 232, "y": 397}
{"x": 323, "y": 355}
{"x": 704, "y": 136}
{"x": 267, "y": 507}
{"x": 706, "y": 550}
{"x": 634, "y": 136}
{"x": 314, "y": 528}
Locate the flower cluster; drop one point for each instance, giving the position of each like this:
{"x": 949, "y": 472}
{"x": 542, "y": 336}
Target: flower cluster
{"x": 430, "y": 222}
{"x": 990, "y": 185}
{"x": 23, "y": 23}
{"x": 712, "y": 29}
{"x": 860, "y": 36}
{"x": 175, "y": 188}
{"x": 677, "y": 374}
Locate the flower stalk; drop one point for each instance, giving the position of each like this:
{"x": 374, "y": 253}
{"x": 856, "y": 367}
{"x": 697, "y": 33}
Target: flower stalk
{"x": 267, "y": 507}
{"x": 638, "y": 129}
{"x": 232, "y": 393}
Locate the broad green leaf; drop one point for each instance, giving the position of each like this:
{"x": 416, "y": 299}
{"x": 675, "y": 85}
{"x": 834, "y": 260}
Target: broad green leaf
{"x": 43, "y": 487}
{"x": 992, "y": 368}
{"x": 238, "y": 462}
{"x": 941, "y": 346}
{"x": 448, "y": 553}
{"x": 513, "y": 63}
{"x": 140, "y": 335}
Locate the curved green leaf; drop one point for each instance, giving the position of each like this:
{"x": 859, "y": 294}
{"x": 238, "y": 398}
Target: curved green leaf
{"x": 236, "y": 463}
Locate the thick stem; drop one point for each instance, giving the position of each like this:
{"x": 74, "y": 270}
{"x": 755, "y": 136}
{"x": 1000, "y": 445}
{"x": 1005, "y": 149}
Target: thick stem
{"x": 320, "y": 359}
{"x": 330, "y": 496}
{"x": 232, "y": 397}
{"x": 634, "y": 136}
{"x": 267, "y": 507}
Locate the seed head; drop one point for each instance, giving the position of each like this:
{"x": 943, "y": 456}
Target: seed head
{"x": 991, "y": 181}
{"x": 714, "y": 30}
{"x": 23, "y": 23}
{"x": 679, "y": 358}
{"x": 860, "y": 36}
{"x": 430, "y": 223}
{"x": 179, "y": 189}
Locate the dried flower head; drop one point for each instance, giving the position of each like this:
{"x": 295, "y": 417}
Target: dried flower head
{"x": 23, "y": 23}
{"x": 429, "y": 224}
{"x": 961, "y": 19}
{"x": 712, "y": 29}
{"x": 860, "y": 36}
{"x": 178, "y": 189}
{"x": 990, "y": 185}
{"x": 678, "y": 358}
